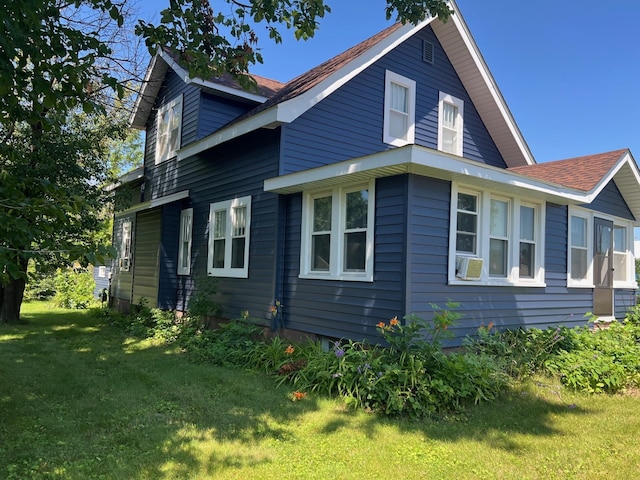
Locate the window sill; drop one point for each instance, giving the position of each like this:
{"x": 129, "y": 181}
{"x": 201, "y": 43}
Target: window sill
{"x": 497, "y": 283}
{"x": 229, "y": 273}
{"x": 343, "y": 277}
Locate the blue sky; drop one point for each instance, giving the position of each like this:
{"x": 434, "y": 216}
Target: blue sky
{"x": 569, "y": 70}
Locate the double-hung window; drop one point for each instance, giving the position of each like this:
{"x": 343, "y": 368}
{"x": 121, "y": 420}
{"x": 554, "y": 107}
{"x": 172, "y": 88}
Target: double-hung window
{"x": 337, "y": 238}
{"x": 184, "y": 250}
{"x": 497, "y": 239}
{"x": 169, "y": 129}
{"x": 229, "y": 233}
{"x": 399, "y": 109}
{"x": 124, "y": 262}
{"x": 450, "y": 124}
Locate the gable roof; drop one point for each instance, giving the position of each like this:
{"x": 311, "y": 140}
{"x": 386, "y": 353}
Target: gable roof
{"x": 224, "y": 86}
{"x": 305, "y": 91}
{"x": 590, "y": 174}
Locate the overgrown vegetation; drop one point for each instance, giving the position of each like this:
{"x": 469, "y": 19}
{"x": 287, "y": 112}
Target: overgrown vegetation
{"x": 81, "y": 399}
{"x": 410, "y": 374}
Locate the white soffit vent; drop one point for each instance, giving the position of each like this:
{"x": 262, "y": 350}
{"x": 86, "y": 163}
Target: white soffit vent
{"x": 428, "y": 51}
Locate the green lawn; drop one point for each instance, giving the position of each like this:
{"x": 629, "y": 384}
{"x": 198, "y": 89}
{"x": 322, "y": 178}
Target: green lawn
{"x": 79, "y": 400}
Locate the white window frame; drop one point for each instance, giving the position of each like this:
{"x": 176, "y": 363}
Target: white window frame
{"x": 228, "y": 207}
{"x": 393, "y": 78}
{"x": 186, "y": 240}
{"x": 163, "y": 134}
{"x": 124, "y": 262}
{"x": 459, "y": 104}
{"x": 102, "y": 271}
{"x": 337, "y": 270}
{"x": 484, "y": 236}
{"x": 590, "y": 215}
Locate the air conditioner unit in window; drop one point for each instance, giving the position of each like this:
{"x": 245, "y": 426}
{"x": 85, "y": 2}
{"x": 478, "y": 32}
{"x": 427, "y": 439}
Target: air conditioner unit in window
{"x": 468, "y": 268}
{"x": 124, "y": 264}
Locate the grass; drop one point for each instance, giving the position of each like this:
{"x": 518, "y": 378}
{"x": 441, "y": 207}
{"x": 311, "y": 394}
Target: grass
{"x": 79, "y": 400}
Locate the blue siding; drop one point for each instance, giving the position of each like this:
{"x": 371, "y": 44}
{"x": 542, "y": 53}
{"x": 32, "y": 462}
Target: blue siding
{"x": 507, "y": 307}
{"x": 349, "y": 123}
{"x": 349, "y": 309}
{"x": 172, "y": 86}
{"x": 610, "y": 201}
{"x": 216, "y": 112}
{"x": 168, "y": 278}
{"x": 235, "y": 169}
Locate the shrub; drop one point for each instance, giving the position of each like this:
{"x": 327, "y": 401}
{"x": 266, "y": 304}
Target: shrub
{"x": 520, "y": 352}
{"x": 411, "y": 376}
{"x": 74, "y": 288}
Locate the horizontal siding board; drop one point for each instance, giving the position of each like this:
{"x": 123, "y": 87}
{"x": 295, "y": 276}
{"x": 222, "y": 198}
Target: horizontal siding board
{"x": 610, "y": 201}
{"x": 508, "y": 307}
{"x": 349, "y": 122}
{"x": 347, "y": 309}
{"x": 146, "y": 265}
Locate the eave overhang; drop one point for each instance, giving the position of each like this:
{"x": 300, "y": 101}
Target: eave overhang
{"x": 414, "y": 159}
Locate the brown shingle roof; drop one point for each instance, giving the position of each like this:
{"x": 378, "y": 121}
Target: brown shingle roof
{"x": 580, "y": 173}
{"x": 266, "y": 86}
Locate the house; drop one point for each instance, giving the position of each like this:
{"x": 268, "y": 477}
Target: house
{"x": 385, "y": 180}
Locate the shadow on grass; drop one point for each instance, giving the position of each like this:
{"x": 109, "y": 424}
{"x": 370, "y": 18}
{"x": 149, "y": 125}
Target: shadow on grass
{"x": 81, "y": 398}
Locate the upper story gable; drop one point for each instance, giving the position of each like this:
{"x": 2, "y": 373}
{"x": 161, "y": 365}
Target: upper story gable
{"x": 411, "y": 95}
{"x": 176, "y": 110}
{"x": 490, "y": 136}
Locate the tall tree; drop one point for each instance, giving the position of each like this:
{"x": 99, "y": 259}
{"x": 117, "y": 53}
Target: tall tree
{"x": 59, "y": 58}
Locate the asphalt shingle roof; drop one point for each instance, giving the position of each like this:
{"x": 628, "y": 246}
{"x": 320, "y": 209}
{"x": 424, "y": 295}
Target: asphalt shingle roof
{"x": 580, "y": 173}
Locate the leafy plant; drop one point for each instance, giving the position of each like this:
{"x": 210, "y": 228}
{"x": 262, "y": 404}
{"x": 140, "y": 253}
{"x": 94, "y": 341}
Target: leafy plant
{"x": 74, "y": 288}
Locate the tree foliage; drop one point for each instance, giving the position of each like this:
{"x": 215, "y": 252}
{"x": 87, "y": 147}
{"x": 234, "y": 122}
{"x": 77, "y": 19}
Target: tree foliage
{"x": 226, "y": 40}
{"x": 64, "y": 65}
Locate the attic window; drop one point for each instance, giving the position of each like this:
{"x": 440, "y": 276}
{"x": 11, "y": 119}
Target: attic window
{"x": 169, "y": 129}
{"x": 428, "y": 51}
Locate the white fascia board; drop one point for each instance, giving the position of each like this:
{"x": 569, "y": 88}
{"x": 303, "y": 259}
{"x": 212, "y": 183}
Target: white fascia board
{"x": 293, "y": 108}
{"x": 184, "y": 76}
{"x": 491, "y": 84}
{"x": 288, "y": 111}
{"x": 420, "y": 161}
{"x": 260, "y": 120}
{"x": 156, "y": 202}
{"x": 142, "y": 95}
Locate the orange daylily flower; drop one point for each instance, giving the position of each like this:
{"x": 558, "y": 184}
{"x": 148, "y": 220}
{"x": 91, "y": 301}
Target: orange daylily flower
{"x": 289, "y": 350}
{"x": 381, "y": 325}
{"x": 394, "y": 321}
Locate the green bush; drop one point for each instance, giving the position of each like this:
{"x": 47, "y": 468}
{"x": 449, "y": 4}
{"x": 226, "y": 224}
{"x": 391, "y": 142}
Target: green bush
{"x": 412, "y": 376}
{"x": 74, "y": 288}
{"x": 600, "y": 361}
{"x": 521, "y": 352}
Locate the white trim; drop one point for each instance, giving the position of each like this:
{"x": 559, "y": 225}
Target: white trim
{"x": 289, "y": 110}
{"x": 445, "y": 98}
{"x": 428, "y": 162}
{"x": 484, "y": 235}
{"x": 186, "y": 228}
{"x": 589, "y": 216}
{"x": 336, "y": 269}
{"x": 410, "y": 86}
{"x": 176, "y": 103}
{"x": 228, "y": 207}
{"x": 126, "y": 245}
{"x": 155, "y": 202}
{"x": 184, "y": 76}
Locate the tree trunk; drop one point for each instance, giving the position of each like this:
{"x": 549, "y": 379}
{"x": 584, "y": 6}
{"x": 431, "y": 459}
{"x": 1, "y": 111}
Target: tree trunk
{"x": 11, "y": 296}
